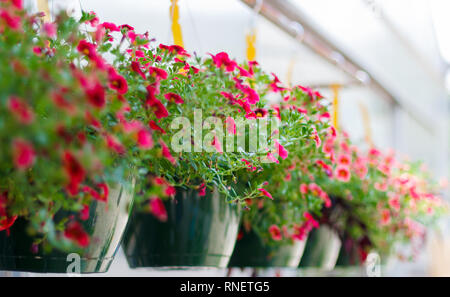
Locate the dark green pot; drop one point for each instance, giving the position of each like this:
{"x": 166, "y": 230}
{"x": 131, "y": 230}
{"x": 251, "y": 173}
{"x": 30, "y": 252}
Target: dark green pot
{"x": 105, "y": 226}
{"x": 250, "y": 251}
{"x": 322, "y": 249}
{"x": 200, "y": 232}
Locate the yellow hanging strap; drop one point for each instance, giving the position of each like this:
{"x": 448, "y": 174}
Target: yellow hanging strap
{"x": 250, "y": 39}
{"x": 290, "y": 71}
{"x": 336, "y": 88}
{"x": 176, "y": 27}
{"x": 43, "y": 6}
{"x": 366, "y": 123}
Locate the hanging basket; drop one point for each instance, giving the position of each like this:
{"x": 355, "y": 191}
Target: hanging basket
{"x": 105, "y": 226}
{"x": 250, "y": 251}
{"x": 322, "y": 249}
{"x": 199, "y": 232}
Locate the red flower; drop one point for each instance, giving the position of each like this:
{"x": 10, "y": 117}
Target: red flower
{"x": 7, "y": 222}
{"x": 260, "y": 113}
{"x": 110, "y": 26}
{"x": 158, "y": 108}
{"x": 158, "y": 73}
{"x": 304, "y": 189}
{"x": 265, "y": 193}
{"x": 103, "y": 196}
{"x": 166, "y": 152}
{"x": 96, "y": 95}
{"x": 118, "y": 83}
{"x": 145, "y": 140}
{"x": 136, "y": 67}
{"x": 202, "y": 190}
{"x": 127, "y": 27}
{"x": 155, "y": 127}
{"x": 84, "y": 213}
{"x": 12, "y": 22}
{"x": 342, "y": 173}
{"x": 158, "y": 209}
{"x": 21, "y": 111}
{"x": 172, "y": 97}
{"x": 74, "y": 171}
{"x": 275, "y": 232}
{"x": 23, "y": 154}
{"x": 76, "y": 233}
{"x": 113, "y": 143}
{"x": 223, "y": 59}
{"x": 88, "y": 49}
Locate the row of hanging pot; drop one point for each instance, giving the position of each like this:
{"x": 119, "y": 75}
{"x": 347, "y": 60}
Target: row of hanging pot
{"x": 104, "y": 131}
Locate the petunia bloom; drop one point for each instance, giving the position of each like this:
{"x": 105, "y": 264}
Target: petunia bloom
{"x": 172, "y": 97}
{"x": 202, "y": 190}
{"x": 144, "y": 139}
{"x": 23, "y": 154}
{"x": 166, "y": 152}
{"x": 152, "y": 124}
{"x": 158, "y": 209}
{"x": 75, "y": 232}
{"x": 275, "y": 232}
{"x": 342, "y": 173}
{"x": 20, "y": 110}
{"x": 96, "y": 95}
{"x": 222, "y": 59}
{"x": 74, "y": 171}
{"x": 118, "y": 83}
{"x": 282, "y": 152}
{"x": 158, "y": 108}
{"x": 265, "y": 193}
{"x": 158, "y": 73}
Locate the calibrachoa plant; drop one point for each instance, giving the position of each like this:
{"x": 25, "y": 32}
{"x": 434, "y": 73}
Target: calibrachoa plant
{"x": 288, "y": 215}
{"x": 60, "y": 148}
{"x": 167, "y": 85}
{"x": 376, "y": 200}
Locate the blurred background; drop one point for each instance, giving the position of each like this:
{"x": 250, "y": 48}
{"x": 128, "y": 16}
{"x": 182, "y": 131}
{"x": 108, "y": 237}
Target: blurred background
{"x": 385, "y": 63}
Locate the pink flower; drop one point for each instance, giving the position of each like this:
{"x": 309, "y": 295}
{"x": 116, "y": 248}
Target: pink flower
{"x": 304, "y": 189}
{"x": 265, "y": 193}
{"x": 394, "y": 202}
{"x": 385, "y": 217}
{"x": 158, "y": 73}
{"x": 274, "y": 85}
{"x": 166, "y": 152}
{"x": 49, "y": 29}
{"x": 172, "y": 97}
{"x": 271, "y": 158}
{"x": 114, "y": 144}
{"x": 282, "y": 152}
{"x": 110, "y": 26}
{"x": 202, "y": 190}
{"x": 217, "y": 145}
{"x": 275, "y": 232}
{"x": 260, "y": 113}
{"x": 20, "y": 110}
{"x": 158, "y": 209}
{"x": 342, "y": 173}
{"x": 222, "y": 59}
{"x": 344, "y": 159}
{"x": 144, "y": 139}
{"x": 23, "y": 154}
{"x": 76, "y": 233}
{"x": 12, "y": 22}
{"x": 231, "y": 125}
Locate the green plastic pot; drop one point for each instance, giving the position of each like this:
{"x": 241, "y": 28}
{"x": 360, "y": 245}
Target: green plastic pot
{"x": 105, "y": 226}
{"x": 199, "y": 232}
{"x": 250, "y": 251}
{"x": 322, "y": 249}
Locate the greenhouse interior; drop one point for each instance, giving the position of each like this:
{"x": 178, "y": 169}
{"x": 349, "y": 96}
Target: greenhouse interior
{"x": 224, "y": 138}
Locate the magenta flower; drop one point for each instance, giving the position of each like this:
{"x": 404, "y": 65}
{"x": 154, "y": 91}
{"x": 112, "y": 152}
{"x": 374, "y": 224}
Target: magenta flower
{"x": 158, "y": 209}
{"x": 172, "y": 97}
{"x": 265, "y": 193}
{"x": 275, "y": 232}
{"x": 23, "y": 154}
